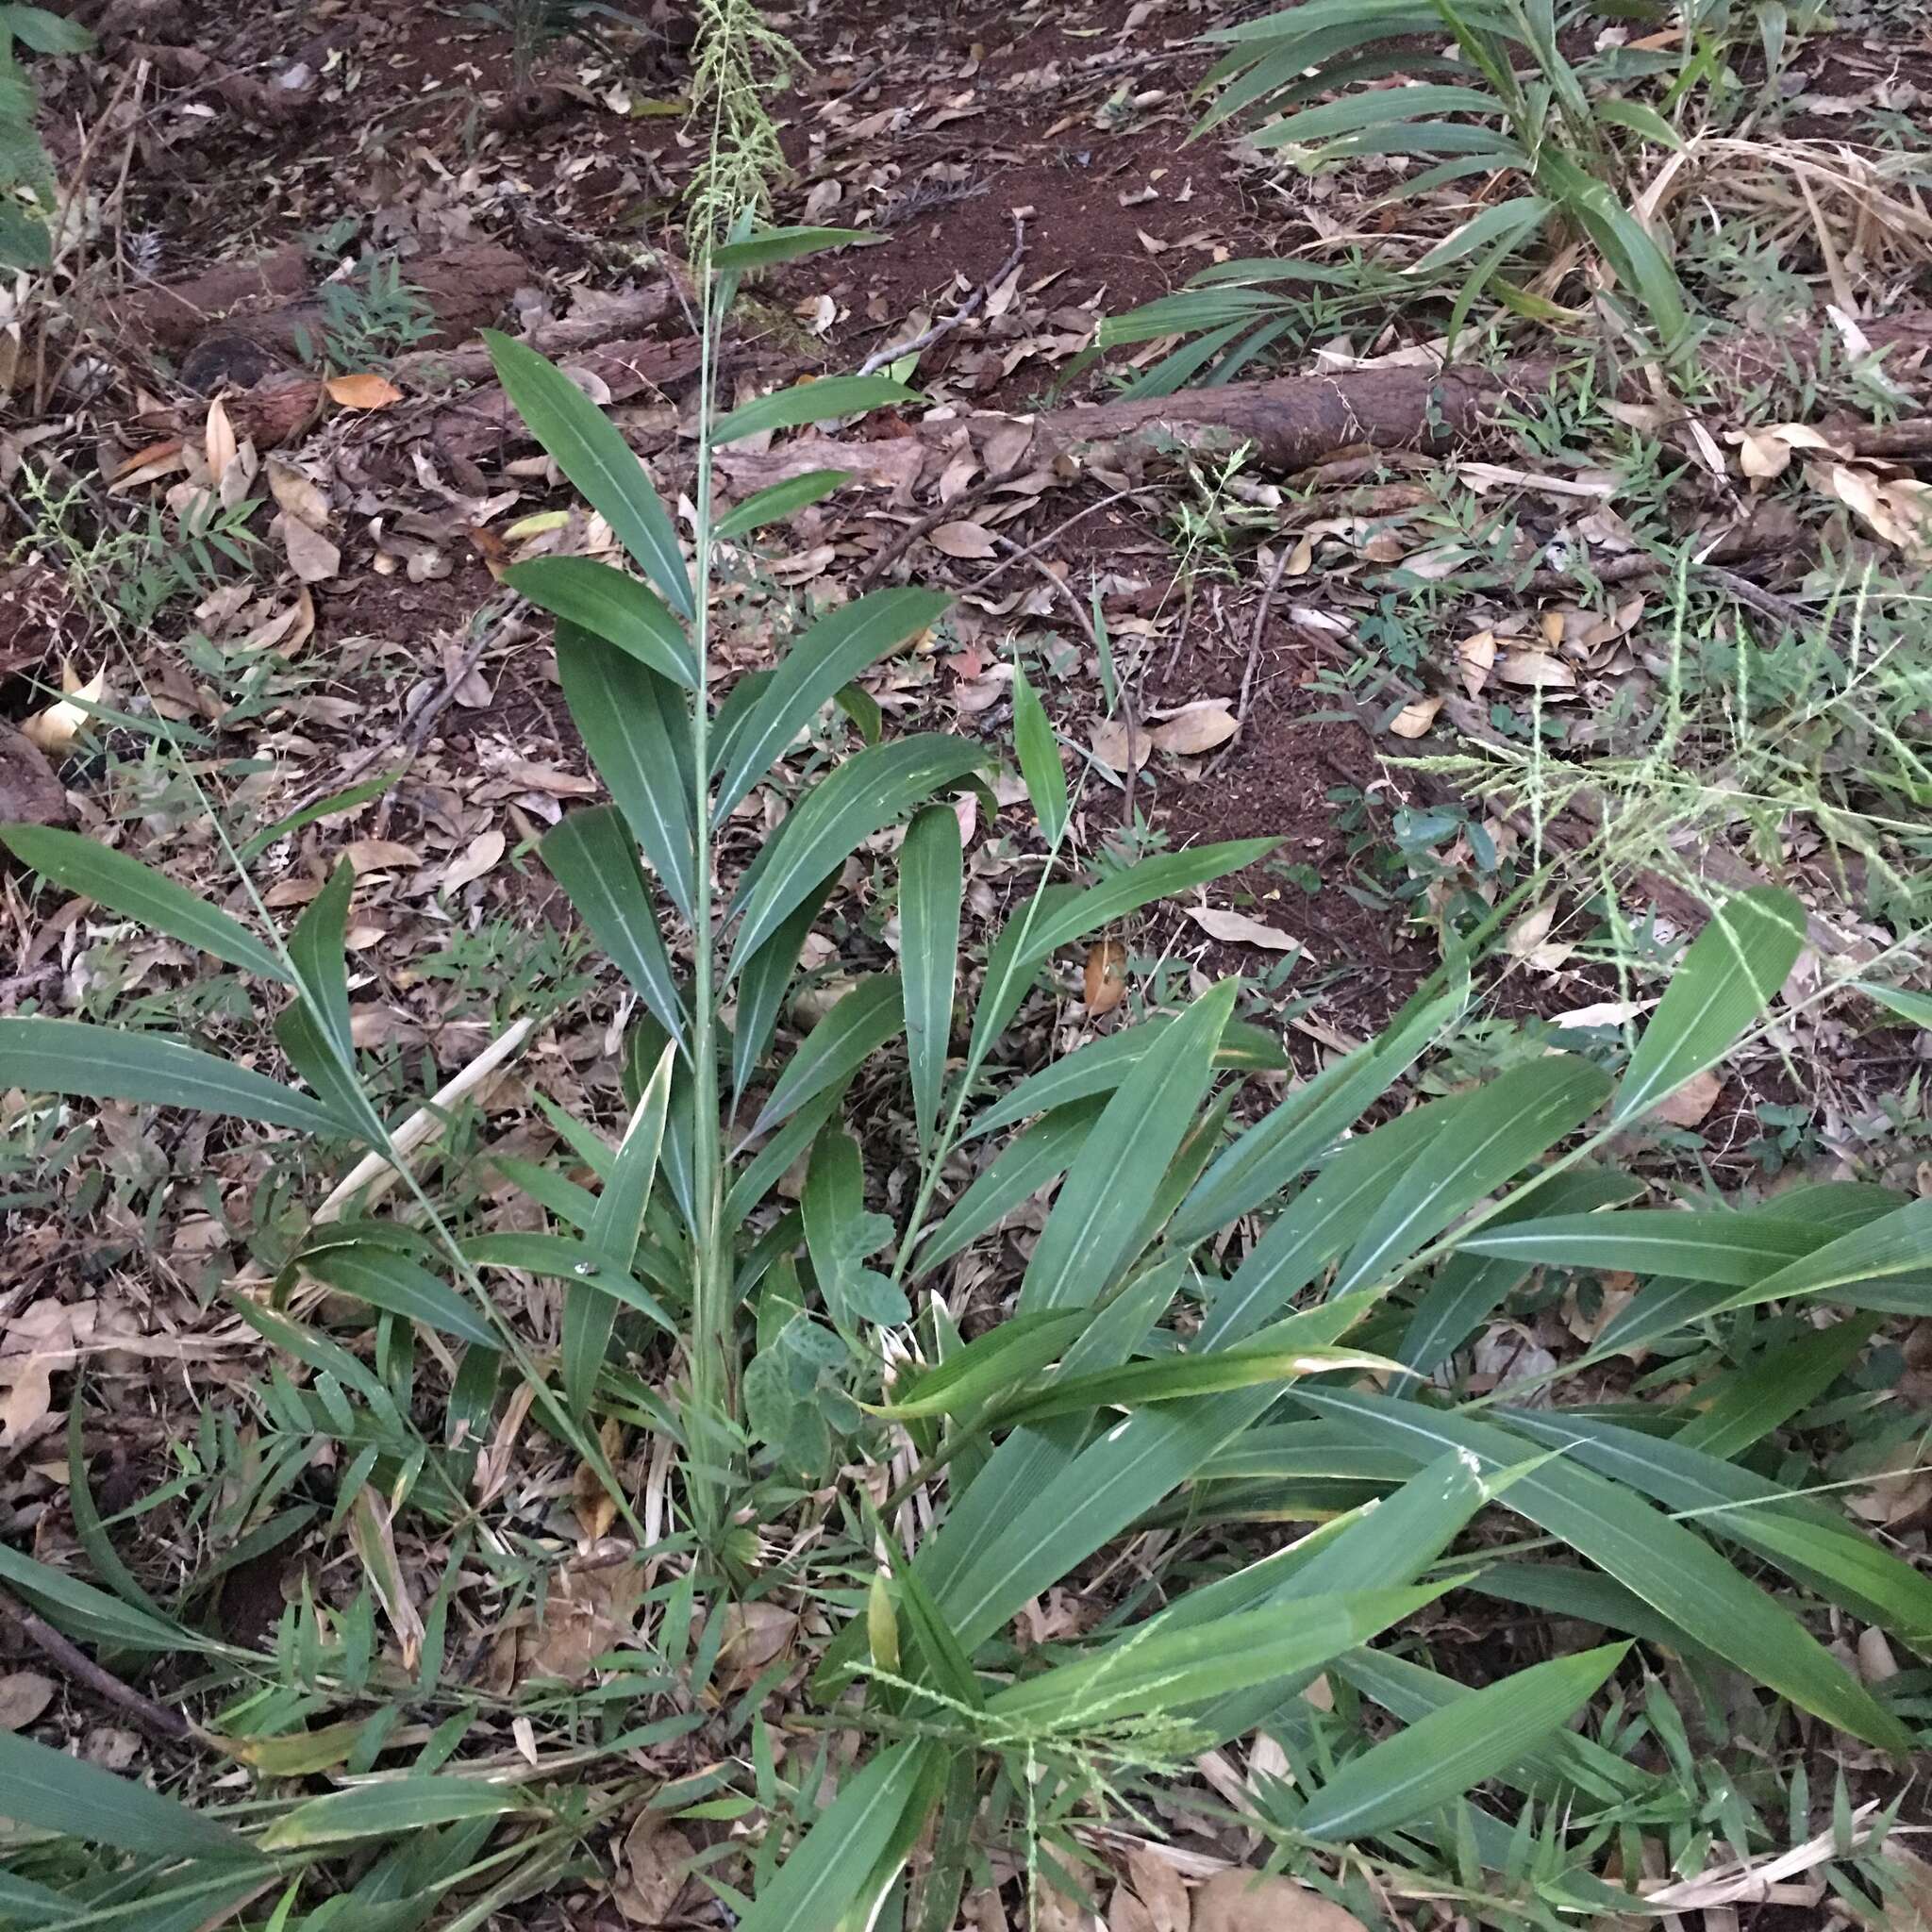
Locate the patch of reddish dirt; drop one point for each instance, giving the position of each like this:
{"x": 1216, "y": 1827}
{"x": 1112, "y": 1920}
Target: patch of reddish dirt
{"x": 1075, "y": 120}
{"x": 1273, "y": 781}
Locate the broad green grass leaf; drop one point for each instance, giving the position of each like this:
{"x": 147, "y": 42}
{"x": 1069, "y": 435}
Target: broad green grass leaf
{"x": 1895, "y": 1244}
{"x": 831, "y": 1865}
{"x": 780, "y": 500}
{"x": 80, "y": 1611}
{"x": 1028, "y": 1163}
{"x": 1548, "y": 1770}
{"x": 1442, "y": 1755}
{"x": 840, "y": 1234}
{"x": 1673, "y": 1571}
{"x": 1065, "y": 914}
{"x": 1040, "y": 757}
{"x": 1842, "y": 1563}
{"x": 1168, "y": 1669}
{"x": 318, "y": 951}
{"x": 562, "y": 1258}
{"x": 388, "y": 1280}
{"x": 1732, "y": 972}
{"x": 833, "y": 652}
{"x": 1376, "y": 109}
{"x": 1102, "y": 1064}
{"x": 766, "y": 246}
{"x": 1751, "y": 1402}
{"x": 1276, "y": 1149}
{"x": 1172, "y": 1378}
{"x": 1501, "y": 1128}
{"x": 862, "y": 1022}
{"x": 592, "y": 855}
{"x": 1501, "y": 227}
{"x": 610, "y": 605}
{"x": 1706, "y": 1245}
{"x": 1469, "y": 1286}
{"x": 1089, "y": 1236}
{"x": 135, "y": 891}
{"x": 72, "y": 1057}
{"x": 931, "y": 893}
{"x": 988, "y": 1560}
{"x": 394, "y": 1807}
{"x": 586, "y": 446}
{"x": 55, "y": 1792}
{"x": 763, "y": 984}
{"x": 1324, "y": 1219}
{"x": 1908, "y": 1005}
{"x": 862, "y": 796}
{"x": 990, "y": 1365}
{"x": 590, "y": 1314}
{"x": 810, "y": 402}
{"x": 624, "y": 714}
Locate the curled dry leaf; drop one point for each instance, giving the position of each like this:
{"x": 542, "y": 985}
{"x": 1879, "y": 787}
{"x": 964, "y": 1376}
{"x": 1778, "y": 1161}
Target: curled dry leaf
{"x": 218, "y": 440}
{"x": 965, "y": 540}
{"x": 1692, "y": 1101}
{"x": 657, "y": 1862}
{"x": 53, "y": 729}
{"x": 1529, "y": 939}
{"x": 1237, "y": 928}
{"x": 1475, "y": 658}
{"x": 1241, "y": 1901}
{"x": 1107, "y": 976}
{"x": 23, "y": 1695}
{"x": 1196, "y": 727}
{"x": 1763, "y": 453}
{"x": 312, "y": 555}
{"x": 367, "y": 391}
{"x": 1416, "y": 718}
{"x": 478, "y": 857}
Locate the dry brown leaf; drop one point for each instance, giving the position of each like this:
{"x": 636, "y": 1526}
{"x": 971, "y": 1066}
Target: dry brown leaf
{"x": 1237, "y": 928}
{"x": 585, "y": 1613}
{"x": 657, "y": 1862}
{"x": 1241, "y": 1901}
{"x": 371, "y": 1534}
{"x": 1158, "y": 1886}
{"x": 595, "y": 1507}
{"x": 1106, "y": 977}
{"x": 1876, "y": 1660}
{"x": 755, "y": 1635}
{"x": 367, "y": 391}
{"x": 23, "y": 1695}
{"x": 1415, "y": 718}
{"x": 1529, "y": 939}
{"x": 1119, "y": 745}
{"x": 1537, "y": 668}
{"x": 1475, "y": 658}
{"x": 53, "y": 729}
{"x": 482, "y": 853}
{"x": 381, "y": 855}
{"x": 218, "y": 440}
{"x": 1695, "y": 1098}
{"x": 1196, "y": 727}
{"x": 965, "y": 540}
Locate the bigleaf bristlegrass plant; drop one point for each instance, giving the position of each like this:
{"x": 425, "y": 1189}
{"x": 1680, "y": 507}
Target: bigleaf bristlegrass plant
{"x": 1480, "y": 89}
{"x": 1215, "y": 1325}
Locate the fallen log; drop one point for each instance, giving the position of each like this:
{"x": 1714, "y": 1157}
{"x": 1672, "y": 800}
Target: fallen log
{"x": 1291, "y": 422}
{"x": 270, "y": 102}
{"x": 280, "y": 406}
{"x": 269, "y": 305}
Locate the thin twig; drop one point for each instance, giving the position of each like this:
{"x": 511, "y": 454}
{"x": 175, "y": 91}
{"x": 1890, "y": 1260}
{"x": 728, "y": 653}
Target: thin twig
{"x": 1261, "y": 611}
{"x": 1052, "y": 537}
{"x": 965, "y": 312}
{"x": 155, "y": 1719}
{"x": 940, "y": 513}
{"x": 416, "y": 727}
